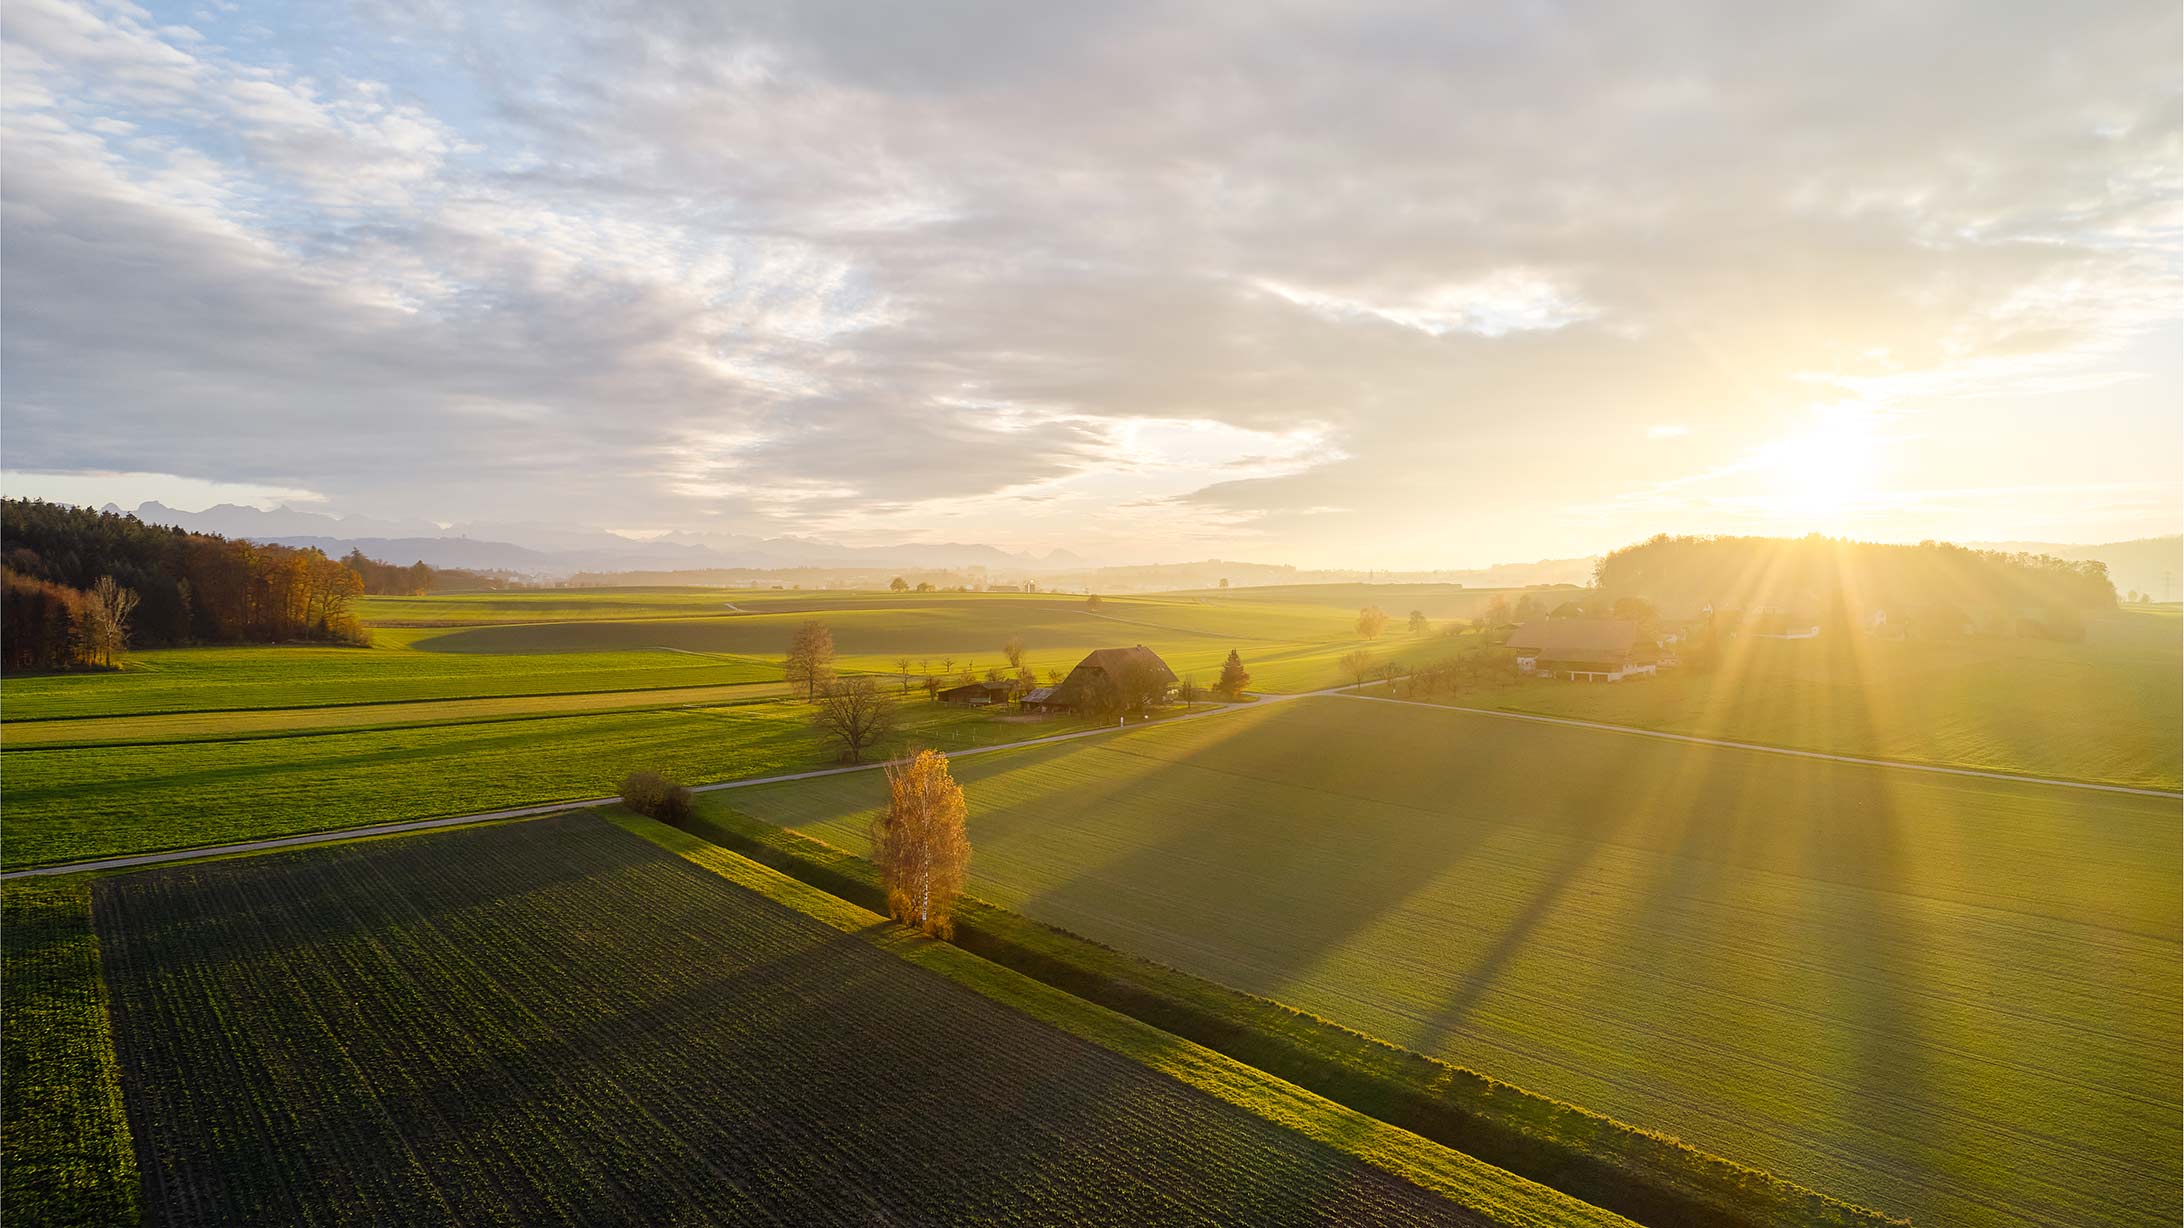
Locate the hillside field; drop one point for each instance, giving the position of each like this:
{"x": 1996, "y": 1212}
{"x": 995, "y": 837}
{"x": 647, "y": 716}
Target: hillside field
{"x": 2105, "y": 709}
{"x": 1944, "y": 997}
{"x": 564, "y": 1020}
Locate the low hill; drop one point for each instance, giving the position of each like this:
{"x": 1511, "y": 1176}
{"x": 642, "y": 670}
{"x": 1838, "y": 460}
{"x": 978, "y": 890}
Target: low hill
{"x": 2150, "y": 565}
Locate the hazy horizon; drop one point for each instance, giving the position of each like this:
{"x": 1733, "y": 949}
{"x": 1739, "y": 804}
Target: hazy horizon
{"x": 1325, "y": 286}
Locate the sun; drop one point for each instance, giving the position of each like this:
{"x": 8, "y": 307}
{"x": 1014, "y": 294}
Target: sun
{"x": 1827, "y": 468}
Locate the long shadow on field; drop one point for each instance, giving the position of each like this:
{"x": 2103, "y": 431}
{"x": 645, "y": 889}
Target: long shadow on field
{"x": 1247, "y": 860}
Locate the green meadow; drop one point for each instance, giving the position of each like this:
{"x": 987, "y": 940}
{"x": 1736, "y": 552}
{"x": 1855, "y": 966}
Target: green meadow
{"x": 2105, "y": 709}
{"x": 75, "y": 803}
{"x": 226, "y": 679}
{"x": 1945, "y": 997}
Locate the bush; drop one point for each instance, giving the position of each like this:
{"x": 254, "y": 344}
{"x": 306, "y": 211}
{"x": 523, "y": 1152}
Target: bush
{"x": 656, "y": 797}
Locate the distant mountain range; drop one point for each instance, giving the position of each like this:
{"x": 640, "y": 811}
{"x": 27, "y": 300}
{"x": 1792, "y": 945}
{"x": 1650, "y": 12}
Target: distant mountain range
{"x": 549, "y": 551}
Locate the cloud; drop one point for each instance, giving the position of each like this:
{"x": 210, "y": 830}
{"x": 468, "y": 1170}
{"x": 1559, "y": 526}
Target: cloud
{"x": 1330, "y": 282}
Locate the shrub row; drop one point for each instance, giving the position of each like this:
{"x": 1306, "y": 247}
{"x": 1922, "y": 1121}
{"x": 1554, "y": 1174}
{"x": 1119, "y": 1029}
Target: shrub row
{"x": 1646, "y": 1176}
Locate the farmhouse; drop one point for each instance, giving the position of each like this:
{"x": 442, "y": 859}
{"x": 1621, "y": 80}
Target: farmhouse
{"x": 979, "y": 694}
{"x": 1100, "y": 668}
{"x": 1583, "y": 649}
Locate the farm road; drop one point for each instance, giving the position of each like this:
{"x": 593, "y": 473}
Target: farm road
{"x": 521, "y": 812}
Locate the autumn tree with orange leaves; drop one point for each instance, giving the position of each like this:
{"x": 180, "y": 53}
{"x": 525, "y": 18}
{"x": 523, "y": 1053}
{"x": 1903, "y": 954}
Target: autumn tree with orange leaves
{"x": 919, "y": 843}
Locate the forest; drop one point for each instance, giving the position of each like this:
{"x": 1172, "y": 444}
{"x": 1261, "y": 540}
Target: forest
{"x": 78, "y": 585}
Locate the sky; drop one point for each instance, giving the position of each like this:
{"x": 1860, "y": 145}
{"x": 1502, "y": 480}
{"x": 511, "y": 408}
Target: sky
{"x": 1330, "y": 284}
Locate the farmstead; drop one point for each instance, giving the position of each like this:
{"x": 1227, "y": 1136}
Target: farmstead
{"x": 1583, "y": 649}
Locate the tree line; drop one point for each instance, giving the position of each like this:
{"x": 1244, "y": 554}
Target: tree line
{"x": 77, "y": 586}
{"x": 419, "y": 578}
{"x": 1835, "y": 580}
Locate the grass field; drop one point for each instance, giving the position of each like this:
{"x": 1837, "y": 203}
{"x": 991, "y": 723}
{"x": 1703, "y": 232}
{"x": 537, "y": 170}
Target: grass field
{"x": 551, "y": 702}
{"x": 1944, "y": 997}
{"x": 286, "y": 676}
{"x": 65, "y": 1151}
{"x": 74, "y": 804}
{"x": 2107, "y": 709}
{"x": 244, "y": 723}
{"x": 568, "y": 1022}
{"x": 1290, "y": 647}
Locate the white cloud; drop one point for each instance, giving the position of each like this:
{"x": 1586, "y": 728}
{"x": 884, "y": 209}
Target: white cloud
{"x": 1042, "y": 273}
{"x": 1499, "y": 303}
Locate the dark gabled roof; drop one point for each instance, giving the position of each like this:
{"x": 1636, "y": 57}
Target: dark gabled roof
{"x": 989, "y": 686}
{"x": 1577, "y": 639}
{"x": 1111, "y": 660}
{"x": 1102, "y": 662}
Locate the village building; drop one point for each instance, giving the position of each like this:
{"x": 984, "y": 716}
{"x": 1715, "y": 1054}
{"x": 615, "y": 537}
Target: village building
{"x": 1583, "y": 649}
{"x": 979, "y": 694}
{"x": 1075, "y": 693}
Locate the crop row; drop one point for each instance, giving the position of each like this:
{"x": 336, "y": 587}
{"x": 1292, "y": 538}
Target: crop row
{"x": 556, "y": 1022}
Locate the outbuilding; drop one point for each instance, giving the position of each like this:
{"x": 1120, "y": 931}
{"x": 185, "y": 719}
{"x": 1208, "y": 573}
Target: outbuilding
{"x": 979, "y": 694}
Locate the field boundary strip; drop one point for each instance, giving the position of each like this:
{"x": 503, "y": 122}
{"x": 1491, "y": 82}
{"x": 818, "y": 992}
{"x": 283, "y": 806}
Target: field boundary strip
{"x": 1906, "y": 765}
{"x": 1493, "y": 1193}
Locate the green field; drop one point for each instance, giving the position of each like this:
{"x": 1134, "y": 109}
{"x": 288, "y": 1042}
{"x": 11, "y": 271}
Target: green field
{"x": 287, "y": 676}
{"x": 1940, "y": 996}
{"x": 77, "y": 803}
{"x": 565, "y": 1021}
{"x": 553, "y": 701}
{"x": 1290, "y": 647}
{"x": 2107, "y": 709}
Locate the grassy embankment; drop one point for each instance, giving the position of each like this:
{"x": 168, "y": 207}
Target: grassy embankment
{"x": 1946, "y": 997}
{"x": 538, "y": 1042}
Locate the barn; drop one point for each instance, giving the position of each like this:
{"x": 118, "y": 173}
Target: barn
{"x": 1101, "y": 668}
{"x": 1583, "y": 649}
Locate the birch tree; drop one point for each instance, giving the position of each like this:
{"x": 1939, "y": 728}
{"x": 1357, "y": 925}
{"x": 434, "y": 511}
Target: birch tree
{"x": 919, "y": 843}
